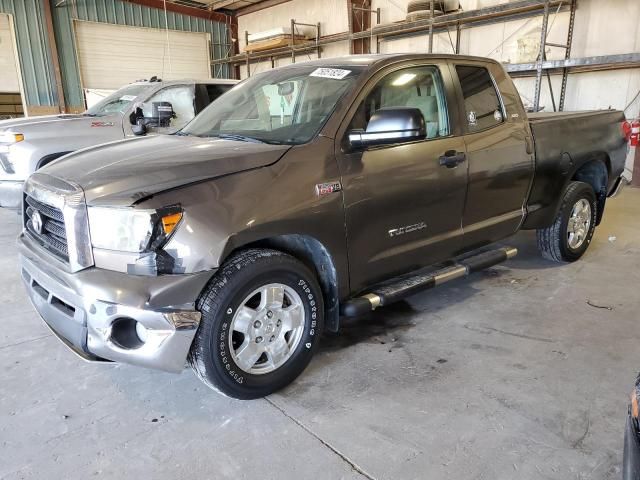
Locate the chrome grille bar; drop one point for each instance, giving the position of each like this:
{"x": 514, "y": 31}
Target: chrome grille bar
{"x": 50, "y": 212}
{"x": 65, "y": 226}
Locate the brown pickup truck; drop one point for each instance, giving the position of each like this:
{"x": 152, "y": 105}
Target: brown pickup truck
{"x": 320, "y": 189}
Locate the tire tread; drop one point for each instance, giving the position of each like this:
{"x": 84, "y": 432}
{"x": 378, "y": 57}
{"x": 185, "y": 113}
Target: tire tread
{"x": 549, "y": 239}
{"x": 211, "y": 302}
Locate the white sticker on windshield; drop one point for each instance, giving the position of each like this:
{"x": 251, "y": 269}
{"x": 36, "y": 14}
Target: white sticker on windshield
{"x": 128, "y": 98}
{"x": 335, "y": 73}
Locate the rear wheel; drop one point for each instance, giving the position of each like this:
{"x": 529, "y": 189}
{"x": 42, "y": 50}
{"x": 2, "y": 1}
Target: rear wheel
{"x": 572, "y": 231}
{"x": 262, "y": 316}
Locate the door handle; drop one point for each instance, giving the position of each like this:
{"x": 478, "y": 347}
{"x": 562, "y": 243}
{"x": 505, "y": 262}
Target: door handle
{"x": 451, "y": 159}
{"x": 529, "y": 144}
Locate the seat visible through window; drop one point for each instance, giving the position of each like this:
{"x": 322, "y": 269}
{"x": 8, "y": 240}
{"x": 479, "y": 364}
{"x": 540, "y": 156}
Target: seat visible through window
{"x": 418, "y": 87}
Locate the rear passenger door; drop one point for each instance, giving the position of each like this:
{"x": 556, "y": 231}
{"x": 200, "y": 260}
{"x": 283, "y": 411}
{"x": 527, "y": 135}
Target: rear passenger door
{"x": 403, "y": 205}
{"x": 500, "y": 168}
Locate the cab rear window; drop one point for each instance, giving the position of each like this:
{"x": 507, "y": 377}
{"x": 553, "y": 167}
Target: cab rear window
{"x": 481, "y": 100}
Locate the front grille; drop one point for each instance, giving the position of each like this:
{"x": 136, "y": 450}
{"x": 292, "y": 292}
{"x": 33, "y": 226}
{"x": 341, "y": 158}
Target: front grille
{"x": 53, "y": 235}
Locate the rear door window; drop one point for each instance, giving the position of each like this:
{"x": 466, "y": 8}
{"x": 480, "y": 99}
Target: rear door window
{"x": 214, "y": 91}
{"x": 482, "y": 105}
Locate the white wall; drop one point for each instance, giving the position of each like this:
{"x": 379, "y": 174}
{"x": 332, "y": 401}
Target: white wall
{"x": 332, "y": 15}
{"x": 601, "y": 28}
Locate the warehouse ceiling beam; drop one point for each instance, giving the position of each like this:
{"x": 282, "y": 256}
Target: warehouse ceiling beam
{"x": 184, "y": 10}
{"x": 256, "y": 7}
{"x": 229, "y": 4}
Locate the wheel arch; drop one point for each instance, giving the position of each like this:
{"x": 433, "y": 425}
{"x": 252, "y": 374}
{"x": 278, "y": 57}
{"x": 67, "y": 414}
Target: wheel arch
{"x": 315, "y": 256}
{"x": 595, "y": 172}
{"x": 593, "y": 169}
{"x": 50, "y": 158}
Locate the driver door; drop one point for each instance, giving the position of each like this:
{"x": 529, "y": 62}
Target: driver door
{"x": 403, "y": 205}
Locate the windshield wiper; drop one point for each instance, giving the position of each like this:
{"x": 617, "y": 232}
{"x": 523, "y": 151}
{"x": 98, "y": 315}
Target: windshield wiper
{"x": 240, "y": 138}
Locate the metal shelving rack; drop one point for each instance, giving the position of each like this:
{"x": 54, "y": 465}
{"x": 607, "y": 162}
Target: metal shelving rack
{"x": 466, "y": 19}
{"x": 290, "y": 50}
{"x": 542, "y": 57}
{"x": 355, "y": 10}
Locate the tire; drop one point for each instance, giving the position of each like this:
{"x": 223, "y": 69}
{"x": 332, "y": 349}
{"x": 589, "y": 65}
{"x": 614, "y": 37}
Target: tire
{"x": 555, "y": 242}
{"x": 422, "y": 15}
{"x": 419, "y": 5}
{"x": 240, "y": 314}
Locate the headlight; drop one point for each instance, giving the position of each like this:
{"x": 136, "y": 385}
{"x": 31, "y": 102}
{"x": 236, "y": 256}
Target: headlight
{"x": 128, "y": 229}
{"x": 122, "y": 229}
{"x": 10, "y": 137}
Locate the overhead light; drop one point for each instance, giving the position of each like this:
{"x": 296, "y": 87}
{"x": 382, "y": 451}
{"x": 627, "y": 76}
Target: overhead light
{"x": 403, "y": 79}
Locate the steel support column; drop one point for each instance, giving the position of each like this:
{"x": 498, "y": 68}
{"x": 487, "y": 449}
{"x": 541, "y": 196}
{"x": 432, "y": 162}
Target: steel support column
{"x": 541, "y": 56}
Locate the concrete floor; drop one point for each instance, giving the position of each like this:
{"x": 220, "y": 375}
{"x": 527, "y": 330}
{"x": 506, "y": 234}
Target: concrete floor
{"x": 508, "y": 374}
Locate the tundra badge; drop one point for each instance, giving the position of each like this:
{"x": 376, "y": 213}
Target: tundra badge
{"x": 407, "y": 229}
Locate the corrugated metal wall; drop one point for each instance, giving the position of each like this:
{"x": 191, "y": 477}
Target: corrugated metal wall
{"x": 34, "y": 51}
{"x": 124, "y": 13}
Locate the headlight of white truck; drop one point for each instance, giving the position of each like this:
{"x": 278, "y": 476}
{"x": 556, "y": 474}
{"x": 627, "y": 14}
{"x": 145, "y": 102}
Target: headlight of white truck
{"x": 130, "y": 230}
{"x": 9, "y": 138}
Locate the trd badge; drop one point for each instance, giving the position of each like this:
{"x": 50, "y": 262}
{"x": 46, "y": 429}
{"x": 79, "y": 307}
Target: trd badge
{"x": 323, "y": 189}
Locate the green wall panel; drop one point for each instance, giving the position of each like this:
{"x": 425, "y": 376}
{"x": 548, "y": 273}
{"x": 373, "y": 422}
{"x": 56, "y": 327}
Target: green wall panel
{"x": 35, "y": 53}
{"x": 33, "y": 50}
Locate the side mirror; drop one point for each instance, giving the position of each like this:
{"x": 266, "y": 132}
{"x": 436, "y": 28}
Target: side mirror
{"x": 139, "y": 129}
{"x": 163, "y": 113}
{"x": 391, "y": 125}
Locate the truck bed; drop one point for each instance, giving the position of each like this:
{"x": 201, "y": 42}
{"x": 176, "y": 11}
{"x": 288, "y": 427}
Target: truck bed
{"x": 565, "y": 140}
{"x": 553, "y": 116}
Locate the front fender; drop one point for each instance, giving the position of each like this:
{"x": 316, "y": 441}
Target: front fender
{"x": 242, "y": 209}
{"x": 20, "y": 161}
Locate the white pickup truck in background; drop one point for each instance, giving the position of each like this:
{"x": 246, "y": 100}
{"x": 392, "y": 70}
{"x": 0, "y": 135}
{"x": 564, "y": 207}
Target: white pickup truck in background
{"x": 27, "y": 144}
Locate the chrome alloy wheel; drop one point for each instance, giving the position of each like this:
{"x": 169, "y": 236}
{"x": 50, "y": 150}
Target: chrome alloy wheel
{"x": 267, "y": 328}
{"x": 579, "y": 223}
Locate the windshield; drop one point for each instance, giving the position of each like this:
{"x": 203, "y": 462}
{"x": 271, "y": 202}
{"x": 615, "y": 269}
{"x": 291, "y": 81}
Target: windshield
{"x": 287, "y": 106}
{"x": 118, "y": 101}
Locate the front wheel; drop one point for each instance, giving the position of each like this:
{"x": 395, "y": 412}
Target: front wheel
{"x": 572, "y": 231}
{"x": 262, "y": 316}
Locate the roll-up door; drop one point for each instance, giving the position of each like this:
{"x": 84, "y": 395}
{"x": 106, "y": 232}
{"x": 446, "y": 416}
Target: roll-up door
{"x": 110, "y": 55}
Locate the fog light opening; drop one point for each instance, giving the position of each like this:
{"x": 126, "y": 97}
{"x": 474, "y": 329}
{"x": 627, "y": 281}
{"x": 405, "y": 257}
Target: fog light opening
{"x": 127, "y": 333}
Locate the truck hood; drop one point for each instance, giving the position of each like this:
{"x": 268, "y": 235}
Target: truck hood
{"x": 65, "y": 133}
{"x": 16, "y": 124}
{"x": 124, "y": 172}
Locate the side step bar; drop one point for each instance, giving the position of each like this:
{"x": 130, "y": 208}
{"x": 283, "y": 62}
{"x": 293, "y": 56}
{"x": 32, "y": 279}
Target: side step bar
{"x": 407, "y": 285}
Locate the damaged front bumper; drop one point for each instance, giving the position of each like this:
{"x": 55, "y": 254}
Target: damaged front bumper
{"x": 111, "y": 316}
